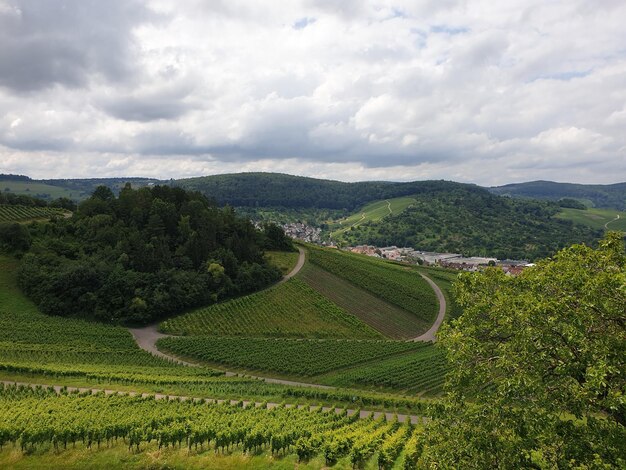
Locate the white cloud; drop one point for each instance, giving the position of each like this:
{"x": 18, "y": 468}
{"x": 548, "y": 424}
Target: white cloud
{"x": 397, "y": 89}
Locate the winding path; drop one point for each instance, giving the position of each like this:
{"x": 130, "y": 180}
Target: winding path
{"x": 147, "y": 336}
{"x": 606, "y": 226}
{"x": 431, "y": 334}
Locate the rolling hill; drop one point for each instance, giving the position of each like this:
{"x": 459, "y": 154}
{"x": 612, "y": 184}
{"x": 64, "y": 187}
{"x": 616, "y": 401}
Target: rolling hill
{"x": 608, "y": 196}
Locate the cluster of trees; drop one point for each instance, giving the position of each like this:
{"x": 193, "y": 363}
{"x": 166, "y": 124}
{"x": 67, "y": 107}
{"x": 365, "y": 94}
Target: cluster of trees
{"x": 537, "y": 367}
{"x": 144, "y": 254}
{"x": 469, "y": 220}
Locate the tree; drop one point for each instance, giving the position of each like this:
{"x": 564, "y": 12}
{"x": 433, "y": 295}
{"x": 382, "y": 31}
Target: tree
{"x": 538, "y": 366}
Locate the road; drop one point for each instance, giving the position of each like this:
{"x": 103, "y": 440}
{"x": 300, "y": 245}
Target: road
{"x": 159, "y": 396}
{"x": 147, "y": 336}
{"x": 431, "y": 334}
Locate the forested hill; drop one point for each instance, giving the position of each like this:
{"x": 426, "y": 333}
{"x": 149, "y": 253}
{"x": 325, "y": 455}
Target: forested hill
{"x": 609, "y": 196}
{"x": 470, "y": 220}
{"x": 142, "y": 255}
{"x": 280, "y": 190}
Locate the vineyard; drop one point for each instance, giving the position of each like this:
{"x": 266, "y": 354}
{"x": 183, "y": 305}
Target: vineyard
{"x": 395, "y": 284}
{"x": 21, "y": 213}
{"x": 292, "y": 309}
{"x": 391, "y": 320}
{"x": 421, "y": 371}
{"x": 45, "y": 425}
{"x": 287, "y": 356}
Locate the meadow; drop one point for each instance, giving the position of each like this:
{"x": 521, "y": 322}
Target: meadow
{"x": 372, "y": 212}
{"x": 601, "y": 219}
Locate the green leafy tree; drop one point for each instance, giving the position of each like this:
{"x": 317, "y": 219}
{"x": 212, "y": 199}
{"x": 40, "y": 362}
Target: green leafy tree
{"x": 538, "y": 367}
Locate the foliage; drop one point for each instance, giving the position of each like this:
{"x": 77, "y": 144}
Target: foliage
{"x": 287, "y": 356}
{"x": 387, "y": 318}
{"x": 286, "y": 191}
{"x": 37, "y": 420}
{"x": 141, "y": 256}
{"x": 420, "y": 371}
{"x": 276, "y": 239}
{"x": 542, "y": 357}
{"x": 471, "y": 221}
{"x": 291, "y": 309}
{"x": 393, "y": 283}
{"x": 14, "y": 238}
{"x": 284, "y": 260}
{"x": 570, "y": 203}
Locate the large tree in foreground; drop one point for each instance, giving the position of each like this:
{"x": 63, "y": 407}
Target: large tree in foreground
{"x": 538, "y": 367}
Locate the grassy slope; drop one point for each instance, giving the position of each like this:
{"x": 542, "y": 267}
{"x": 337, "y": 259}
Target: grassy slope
{"x": 283, "y": 260}
{"x": 33, "y": 188}
{"x": 372, "y": 212}
{"x": 595, "y": 218}
{"x": 292, "y": 309}
{"x": 385, "y": 317}
{"x": 398, "y": 285}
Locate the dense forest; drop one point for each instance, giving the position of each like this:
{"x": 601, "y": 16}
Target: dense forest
{"x": 469, "y": 220}
{"x": 608, "y": 196}
{"x": 142, "y": 255}
{"x": 286, "y": 191}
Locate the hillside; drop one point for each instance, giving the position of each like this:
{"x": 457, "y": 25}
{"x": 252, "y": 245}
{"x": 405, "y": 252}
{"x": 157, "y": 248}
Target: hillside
{"x": 287, "y": 191}
{"x": 472, "y": 221}
{"x": 74, "y": 189}
{"x": 609, "y": 196}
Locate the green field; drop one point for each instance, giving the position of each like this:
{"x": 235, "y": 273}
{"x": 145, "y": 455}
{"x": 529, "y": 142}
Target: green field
{"x": 39, "y": 428}
{"x": 596, "y": 218}
{"x": 292, "y": 309}
{"x": 421, "y": 371}
{"x": 16, "y": 213}
{"x": 372, "y": 212}
{"x": 283, "y": 260}
{"x": 391, "y": 320}
{"x": 39, "y": 190}
{"x": 284, "y": 356}
{"x": 399, "y": 285}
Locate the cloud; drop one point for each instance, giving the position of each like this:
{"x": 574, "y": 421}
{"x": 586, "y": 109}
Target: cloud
{"x": 393, "y": 89}
{"x": 46, "y": 43}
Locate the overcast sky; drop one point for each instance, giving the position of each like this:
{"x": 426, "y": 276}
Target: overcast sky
{"x": 475, "y": 91}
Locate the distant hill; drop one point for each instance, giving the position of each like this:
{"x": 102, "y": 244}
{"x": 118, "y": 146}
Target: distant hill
{"x": 608, "y": 196}
{"x": 74, "y": 189}
{"x": 280, "y": 190}
{"x": 470, "y": 220}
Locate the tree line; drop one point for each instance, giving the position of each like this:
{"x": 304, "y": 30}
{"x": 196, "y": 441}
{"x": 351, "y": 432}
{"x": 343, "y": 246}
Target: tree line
{"x": 145, "y": 254}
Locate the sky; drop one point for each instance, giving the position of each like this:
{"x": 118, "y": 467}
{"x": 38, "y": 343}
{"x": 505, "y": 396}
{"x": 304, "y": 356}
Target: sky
{"x": 470, "y": 90}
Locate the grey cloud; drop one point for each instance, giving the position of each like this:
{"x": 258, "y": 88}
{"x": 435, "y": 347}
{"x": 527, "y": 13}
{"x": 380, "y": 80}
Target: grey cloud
{"x": 43, "y": 43}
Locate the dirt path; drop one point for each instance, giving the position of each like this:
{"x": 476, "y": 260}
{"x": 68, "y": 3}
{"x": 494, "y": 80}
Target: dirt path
{"x": 606, "y": 226}
{"x": 297, "y": 268}
{"x": 158, "y": 396}
{"x": 147, "y": 336}
{"x": 431, "y": 334}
